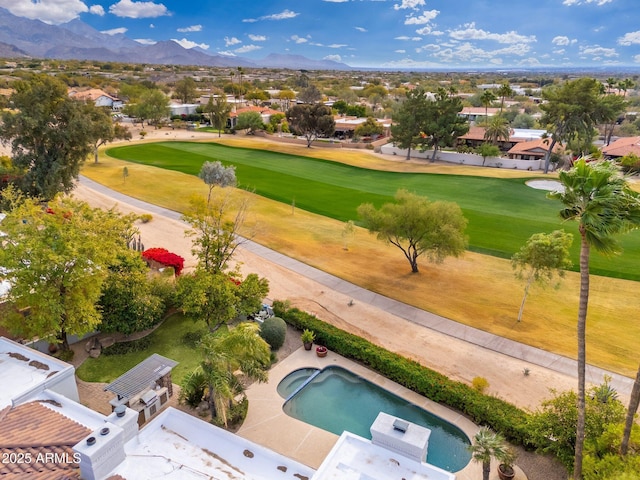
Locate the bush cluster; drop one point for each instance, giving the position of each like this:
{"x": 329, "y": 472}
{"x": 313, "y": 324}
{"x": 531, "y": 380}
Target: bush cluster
{"x": 482, "y": 409}
{"x": 273, "y": 330}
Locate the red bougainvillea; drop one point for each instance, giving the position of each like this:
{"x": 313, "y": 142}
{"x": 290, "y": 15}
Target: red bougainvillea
{"x": 163, "y": 256}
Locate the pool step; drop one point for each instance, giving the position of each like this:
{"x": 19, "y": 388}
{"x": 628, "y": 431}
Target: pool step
{"x": 304, "y": 384}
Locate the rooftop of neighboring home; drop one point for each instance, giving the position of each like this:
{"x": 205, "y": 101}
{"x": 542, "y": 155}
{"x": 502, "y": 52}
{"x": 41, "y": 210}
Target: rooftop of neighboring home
{"x": 517, "y": 134}
{"x": 92, "y": 94}
{"x": 622, "y": 147}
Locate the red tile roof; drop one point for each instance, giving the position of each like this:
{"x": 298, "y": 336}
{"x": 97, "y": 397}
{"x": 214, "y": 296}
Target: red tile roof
{"x": 533, "y": 147}
{"x": 38, "y": 442}
{"x": 622, "y": 147}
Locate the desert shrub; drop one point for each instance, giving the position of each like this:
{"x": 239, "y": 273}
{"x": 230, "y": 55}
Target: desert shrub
{"x": 480, "y": 384}
{"x": 146, "y": 217}
{"x": 165, "y": 289}
{"x": 273, "y": 330}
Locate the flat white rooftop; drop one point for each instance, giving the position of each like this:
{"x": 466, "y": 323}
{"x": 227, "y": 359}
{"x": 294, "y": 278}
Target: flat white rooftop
{"x": 176, "y": 445}
{"x": 356, "y": 458}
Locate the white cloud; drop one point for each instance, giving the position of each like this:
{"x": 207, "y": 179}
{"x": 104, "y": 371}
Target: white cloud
{"x": 400, "y": 51}
{"x": 560, "y": 40}
{"x": 409, "y": 4}
{"x": 599, "y": 3}
{"x": 335, "y": 1}
{"x": 231, "y": 41}
{"x": 114, "y": 31}
{"x": 188, "y": 44}
{"x": 361, "y": 29}
{"x": 247, "y": 48}
{"x": 428, "y": 30}
{"x": 404, "y": 37}
{"x": 431, "y": 47}
{"x": 297, "y": 39}
{"x": 257, "y": 38}
{"x": 284, "y": 15}
{"x": 145, "y": 41}
{"x": 226, "y": 53}
{"x": 470, "y": 32}
{"x": 336, "y": 45}
{"x": 466, "y": 52}
{"x": 630, "y": 38}
{"x": 192, "y": 28}
{"x": 636, "y": 58}
{"x": 334, "y": 58}
{"x": 96, "y": 10}
{"x": 560, "y": 51}
{"x": 598, "y": 52}
{"x": 426, "y": 17}
{"x": 52, "y": 12}
{"x": 131, "y": 9}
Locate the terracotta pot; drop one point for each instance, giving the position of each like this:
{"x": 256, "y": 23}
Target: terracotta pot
{"x": 321, "y": 351}
{"x": 506, "y": 472}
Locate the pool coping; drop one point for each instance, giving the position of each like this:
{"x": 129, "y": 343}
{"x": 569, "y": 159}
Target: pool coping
{"x": 268, "y": 425}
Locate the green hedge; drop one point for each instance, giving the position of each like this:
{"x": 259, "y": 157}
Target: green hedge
{"x": 482, "y": 409}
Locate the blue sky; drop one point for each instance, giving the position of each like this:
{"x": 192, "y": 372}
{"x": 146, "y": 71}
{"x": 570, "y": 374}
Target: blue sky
{"x": 374, "y": 33}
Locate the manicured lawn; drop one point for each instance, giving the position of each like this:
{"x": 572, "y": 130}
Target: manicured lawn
{"x": 167, "y": 340}
{"x": 502, "y": 212}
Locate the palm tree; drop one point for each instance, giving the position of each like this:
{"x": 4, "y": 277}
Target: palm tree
{"x": 487, "y": 98}
{"x": 241, "y": 348}
{"x": 631, "y": 413}
{"x": 504, "y": 90}
{"x": 488, "y": 444}
{"x": 497, "y": 129}
{"x": 598, "y": 198}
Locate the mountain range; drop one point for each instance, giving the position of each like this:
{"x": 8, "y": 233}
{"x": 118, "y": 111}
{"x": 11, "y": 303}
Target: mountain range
{"x": 75, "y": 40}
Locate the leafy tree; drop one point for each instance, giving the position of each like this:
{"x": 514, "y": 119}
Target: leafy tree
{"x": 369, "y": 128}
{"x": 240, "y": 349}
{"x": 487, "y": 149}
{"x": 497, "y": 129}
{"x": 286, "y": 96}
{"x": 214, "y": 173}
{"x": 573, "y": 109}
{"x": 603, "y": 205}
{"x": 104, "y": 130}
{"x": 486, "y": 446}
{"x": 57, "y": 260}
{"x": 154, "y": 107}
{"x": 310, "y": 95}
{"x": 553, "y": 427}
{"x": 217, "y": 110}
{"x": 128, "y": 303}
{"x": 311, "y": 121}
{"x": 186, "y": 90}
{"x": 257, "y": 96}
{"x": 215, "y": 226}
{"x": 523, "y": 120}
{"x": 50, "y": 135}
{"x": 417, "y": 226}
{"x": 542, "y": 258}
{"x": 251, "y": 121}
{"x": 408, "y": 120}
{"x": 442, "y": 125}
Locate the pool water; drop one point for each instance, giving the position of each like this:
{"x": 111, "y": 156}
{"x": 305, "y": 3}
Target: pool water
{"x": 294, "y": 380}
{"x": 336, "y": 400}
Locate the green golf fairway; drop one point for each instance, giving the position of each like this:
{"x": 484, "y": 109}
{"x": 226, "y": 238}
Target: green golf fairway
{"x": 502, "y": 213}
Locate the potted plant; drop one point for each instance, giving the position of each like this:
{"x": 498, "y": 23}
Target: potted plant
{"x": 307, "y": 338}
{"x": 487, "y": 444}
{"x": 321, "y": 351}
{"x": 505, "y": 468}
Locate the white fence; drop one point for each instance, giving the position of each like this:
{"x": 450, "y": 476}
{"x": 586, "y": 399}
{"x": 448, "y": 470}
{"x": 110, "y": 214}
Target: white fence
{"x": 466, "y": 158}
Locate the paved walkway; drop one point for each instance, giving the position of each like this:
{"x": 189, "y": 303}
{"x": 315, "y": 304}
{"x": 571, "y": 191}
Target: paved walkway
{"x": 532, "y": 355}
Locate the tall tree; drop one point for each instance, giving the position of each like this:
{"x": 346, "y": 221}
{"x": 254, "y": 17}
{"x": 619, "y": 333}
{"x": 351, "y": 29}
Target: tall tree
{"x": 310, "y": 95}
{"x": 442, "y": 125}
{"x": 601, "y": 202}
{"x": 217, "y": 110}
{"x": 542, "y": 258}
{"x": 215, "y": 226}
{"x": 216, "y": 174}
{"x": 56, "y": 262}
{"x": 250, "y": 121}
{"x": 503, "y": 92}
{"x": 104, "y": 130}
{"x": 572, "y": 109}
{"x": 487, "y": 98}
{"x": 286, "y": 96}
{"x": 186, "y": 90}
{"x": 311, "y": 121}
{"x": 154, "y": 106}
{"x": 407, "y": 121}
{"x": 417, "y": 226}
{"x": 49, "y": 135}
{"x": 634, "y": 401}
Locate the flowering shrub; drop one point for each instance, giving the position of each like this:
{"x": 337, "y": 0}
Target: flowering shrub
{"x": 163, "y": 256}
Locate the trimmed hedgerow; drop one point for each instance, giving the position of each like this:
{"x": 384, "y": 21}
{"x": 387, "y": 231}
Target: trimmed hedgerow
{"x": 482, "y": 409}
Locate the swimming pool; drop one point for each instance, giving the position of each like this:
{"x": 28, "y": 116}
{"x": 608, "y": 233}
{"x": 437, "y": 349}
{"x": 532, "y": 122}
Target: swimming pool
{"x": 336, "y": 400}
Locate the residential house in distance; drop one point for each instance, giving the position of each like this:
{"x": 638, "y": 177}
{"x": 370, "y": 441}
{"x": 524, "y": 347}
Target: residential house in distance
{"x": 52, "y": 437}
{"x": 100, "y": 98}
{"x": 622, "y": 147}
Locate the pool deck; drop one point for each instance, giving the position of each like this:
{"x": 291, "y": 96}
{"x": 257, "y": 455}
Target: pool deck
{"x": 267, "y": 425}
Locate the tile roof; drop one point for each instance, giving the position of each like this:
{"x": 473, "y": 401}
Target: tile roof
{"x": 623, "y": 146}
{"x": 533, "y": 147}
{"x": 38, "y": 442}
